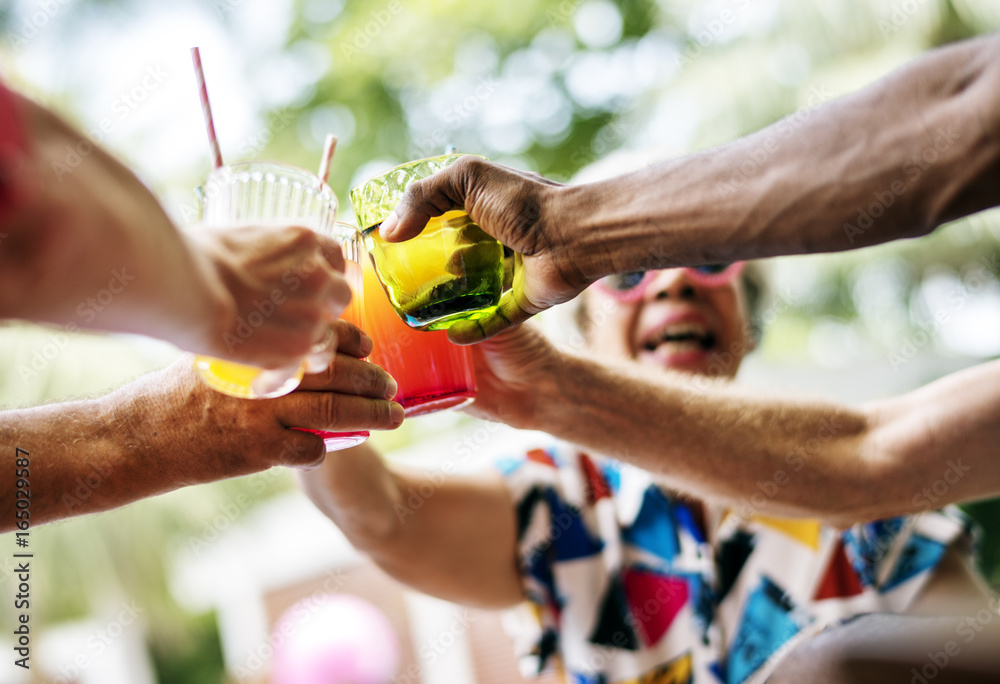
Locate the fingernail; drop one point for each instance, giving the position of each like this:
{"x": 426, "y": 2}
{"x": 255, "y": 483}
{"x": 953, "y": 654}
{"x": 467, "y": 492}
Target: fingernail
{"x": 317, "y": 363}
{"x": 307, "y": 467}
{"x": 367, "y": 344}
{"x": 396, "y": 413}
{"x": 388, "y": 226}
{"x": 391, "y": 388}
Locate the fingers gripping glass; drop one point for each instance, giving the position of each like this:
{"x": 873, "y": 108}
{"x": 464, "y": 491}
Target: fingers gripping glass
{"x": 451, "y": 272}
{"x": 633, "y": 284}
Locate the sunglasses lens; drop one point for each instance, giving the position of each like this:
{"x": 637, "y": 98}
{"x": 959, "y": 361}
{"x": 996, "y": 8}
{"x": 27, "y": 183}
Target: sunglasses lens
{"x": 712, "y": 269}
{"x": 623, "y": 282}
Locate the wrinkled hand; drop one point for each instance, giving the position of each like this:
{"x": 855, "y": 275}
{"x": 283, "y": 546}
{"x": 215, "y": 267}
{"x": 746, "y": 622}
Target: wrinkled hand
{"x": 282, "y": 288}
{"x": 511, "y": 369}
{"x": 512, "y": 206}
{"x": 181, "y": 426}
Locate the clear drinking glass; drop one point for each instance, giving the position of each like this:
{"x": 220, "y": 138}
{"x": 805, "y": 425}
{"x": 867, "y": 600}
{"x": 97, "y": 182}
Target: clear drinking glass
{"x": 262, "y": 193}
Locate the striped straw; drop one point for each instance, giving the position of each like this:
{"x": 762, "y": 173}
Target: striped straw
{"x": 328, "y": 150}
{"x": 206, "y": 108}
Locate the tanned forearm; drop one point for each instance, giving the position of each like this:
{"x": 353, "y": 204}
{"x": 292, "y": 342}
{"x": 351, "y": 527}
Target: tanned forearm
{"x": 76, "y": 458}
{"x": 101, "y": 213}
{"x": 98, "y": 454}
{"x": 708, "y": 438}
{"x": 912, "y": 151}
{"x": 780, "y": 456}
{"x": 449, "y": 536}
{"x": 168, "y": 430}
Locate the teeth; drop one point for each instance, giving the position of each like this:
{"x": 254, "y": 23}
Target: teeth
{"x": 683, "y": 330}
{"x": 687, "y": 334}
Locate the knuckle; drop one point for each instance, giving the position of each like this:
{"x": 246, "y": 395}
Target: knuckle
{"x": 380, "y": 382}
{"x": 312, "y": 319}
{"x": 341, "y": 285}
{"x": 373, "y": 381}
{"x": 419, "y": 192}
{"x": 329, "y": 409}
{"x": 335, "y": 257}
{"x": 312, "y": 456}
{"x": 467, "y": 164}
{"x": 327, "y": 376}
{"x": 347, "y": 332}
{"x": 381, "y": 414}
{"x": 302, "y": 236}
{"x": 413, "y": 194}
{"x": 349, "y": 336}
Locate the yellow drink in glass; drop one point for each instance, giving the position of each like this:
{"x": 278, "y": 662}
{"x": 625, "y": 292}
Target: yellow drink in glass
{"x": 424, "y": 296}
{"x": 452, "y": 271}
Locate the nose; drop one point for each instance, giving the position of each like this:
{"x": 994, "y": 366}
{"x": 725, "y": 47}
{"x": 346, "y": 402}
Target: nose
{"x": 672, "y": 283}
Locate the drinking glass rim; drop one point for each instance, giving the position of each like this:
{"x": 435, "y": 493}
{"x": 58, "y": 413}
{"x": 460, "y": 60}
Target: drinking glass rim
{"x": 303, "y": 175}
{"x": 414, "y": 162}
{"x": 351, "y": 228}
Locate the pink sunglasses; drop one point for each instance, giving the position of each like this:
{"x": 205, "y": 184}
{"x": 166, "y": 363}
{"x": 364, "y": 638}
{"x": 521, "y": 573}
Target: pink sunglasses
{"x": 630, "y": 286}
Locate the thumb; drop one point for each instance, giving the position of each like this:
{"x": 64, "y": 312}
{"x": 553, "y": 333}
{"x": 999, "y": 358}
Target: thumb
{"x": 425, "y": 199}
{"x": 512, "y": 310}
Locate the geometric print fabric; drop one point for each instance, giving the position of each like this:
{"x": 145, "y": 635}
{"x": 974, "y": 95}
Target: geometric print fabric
{"x": 624, "y": 586}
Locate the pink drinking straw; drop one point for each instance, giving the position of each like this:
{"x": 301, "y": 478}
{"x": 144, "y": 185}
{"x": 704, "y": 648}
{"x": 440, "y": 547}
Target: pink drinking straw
{"x": 206, "y": 108}
{"x": 328, "y": 149}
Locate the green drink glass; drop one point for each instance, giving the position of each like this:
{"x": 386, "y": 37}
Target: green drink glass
{"x": 453, "y": 271}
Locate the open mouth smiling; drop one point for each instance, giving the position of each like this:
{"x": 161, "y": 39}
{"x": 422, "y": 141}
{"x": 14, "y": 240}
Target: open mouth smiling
{"x": 680, "y": 336}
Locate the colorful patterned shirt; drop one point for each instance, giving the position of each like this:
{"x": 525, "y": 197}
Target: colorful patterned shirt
{"x": 625, "y": 586}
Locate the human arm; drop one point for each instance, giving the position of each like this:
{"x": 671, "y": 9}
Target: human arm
{"x": 914, "y": 150}
{"x": 880, "y": 648}
{"x": 451, "y": 536}
{"x": 776, "y": 455}
{"x": 86, "y": 244}
{"x": 167, "y": 430}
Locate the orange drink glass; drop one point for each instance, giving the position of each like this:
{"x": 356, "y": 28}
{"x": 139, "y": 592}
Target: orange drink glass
{"x": 432, "y": 373}
{"x": 353, "y": 247}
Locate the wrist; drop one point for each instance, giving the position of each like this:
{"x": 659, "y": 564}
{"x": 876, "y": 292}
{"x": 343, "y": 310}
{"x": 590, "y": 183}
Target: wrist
{"x": 605, "y": 227}
{"x": 569, "y": 221}
{"x": 360, "y": 495}
{"x": 157, "y": 423}
{"x": 547, "y": 392}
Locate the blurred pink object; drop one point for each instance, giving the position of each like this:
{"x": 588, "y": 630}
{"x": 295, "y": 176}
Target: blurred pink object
{"x": 334, "y": 639}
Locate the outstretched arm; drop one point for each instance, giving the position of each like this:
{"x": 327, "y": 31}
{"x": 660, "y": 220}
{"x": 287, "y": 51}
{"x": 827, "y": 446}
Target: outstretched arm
{"x": 449, "y": 536}
{"x": 772, "y": 455}
{"x": 167, "y": 430}
{"x": 84, "y": 243}
{"x": 894, "y": 160}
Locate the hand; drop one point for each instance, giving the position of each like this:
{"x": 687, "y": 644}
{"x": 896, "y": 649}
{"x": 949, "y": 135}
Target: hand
{"x": 511, "y": 371}
{"x": 512, "y": 206}
{"x": 279, "y": 290}
{"x": 186, "y": 431}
